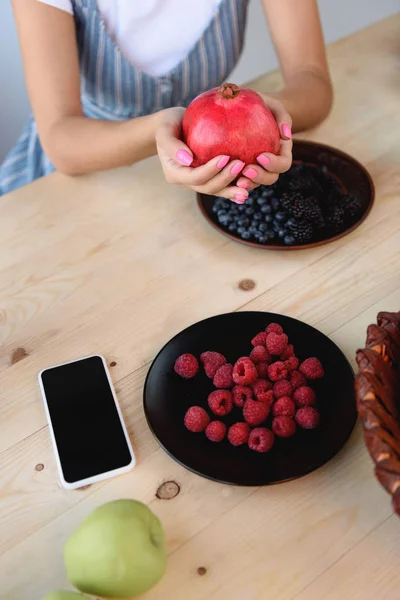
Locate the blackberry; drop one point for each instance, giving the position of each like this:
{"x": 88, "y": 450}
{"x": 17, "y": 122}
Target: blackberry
{"x": 306, "y": 183}
{"x": 302, "y": 231}
{"x": 335, "y": 219}
{"x": 351, "y": 206}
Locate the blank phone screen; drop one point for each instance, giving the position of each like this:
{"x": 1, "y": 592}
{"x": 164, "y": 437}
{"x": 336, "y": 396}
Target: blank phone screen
{"x": 87, "y": 427}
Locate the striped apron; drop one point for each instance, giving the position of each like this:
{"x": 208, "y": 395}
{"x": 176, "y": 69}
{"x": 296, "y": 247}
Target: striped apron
{"x": 112, "y": 88}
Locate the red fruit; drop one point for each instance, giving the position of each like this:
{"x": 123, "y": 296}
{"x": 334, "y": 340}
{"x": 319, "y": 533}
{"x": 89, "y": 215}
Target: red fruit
{"x": 196, "y": 419}
{"x": 212, "y": 361}
{"x": 305, "y": 396}
{"x": 238, "y": 433}
{"x": 259, "y": 339}
{"x": 263, "y": 392}
{"x": 297, "y": 379}
{"x": 276, "y": 343}
{"x": 312, "y": 368}
{"x": 262, "y": 369}
{"x": 260, "y": 354}
{"x": 255, "y": 413}
{"x": 283, "y": 426}
{"x": 232, "y": 121}
{"x": 274, "y": 327}
{"x": 223, "y": 377}
{"x": 282, "y": 388}
{"x": 277, "y": 371}
{"x": 240, "y": 394}
{"x": 261, "y": 439}
{"x": 186, "y": 366}
{"x": 244, "y": 371}
{"x": 215, "y": 431}
{"x": 307, "y": 417}
{"x": 220, "y": 402}
{"x": 292, "y": 363}
{"x": 287, "y": 353}
{"x": 284, "y": 406}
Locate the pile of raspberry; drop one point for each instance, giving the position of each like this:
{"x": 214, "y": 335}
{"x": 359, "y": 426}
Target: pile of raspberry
{"x": 269, "y": 387}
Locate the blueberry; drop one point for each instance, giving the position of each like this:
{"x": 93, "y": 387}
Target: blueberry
{"x": 245, "y": 235}
{"x": 268, "y": 218}
{"x": 253, "y": 223}
{"x": 242, "y": 208}
{"x": 266, "y": 209}
{"x": 244, "y": 222}
{"x": 282, "y": 233}
{"x": 280, "y": 216}
{"x": 262, "y": 227}
{"x": 249, "y": 211}
{"x": 241, "y": 230}
{"x": 276, "y": 226}
{"x": 262, "y": 239}
{"x": 252, "y": 229}
{"x": 275, "y": 203}
{"x": 261, "y": 201}
{"x": 289, "y": 240}
{"x": 267, "y": 192}
{"x": 232, "y": 228}
{"x": 257, "y": 216}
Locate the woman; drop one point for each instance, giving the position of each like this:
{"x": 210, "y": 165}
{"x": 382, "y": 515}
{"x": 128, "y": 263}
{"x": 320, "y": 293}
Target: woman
{"x": 106, "y": 80}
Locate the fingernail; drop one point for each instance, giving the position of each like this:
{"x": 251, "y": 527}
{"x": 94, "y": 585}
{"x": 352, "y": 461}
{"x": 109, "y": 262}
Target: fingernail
{"x": 240, "y": 198}
{"x": 263, "y": 160}
{"x": 223, "y": 161}
{"x": 184, "y": 157}
{"x": 245, "y": 185}
{"x": 286, "y": 130}
{"x": 250, "y": 173}
{"x": 237, "y": 167}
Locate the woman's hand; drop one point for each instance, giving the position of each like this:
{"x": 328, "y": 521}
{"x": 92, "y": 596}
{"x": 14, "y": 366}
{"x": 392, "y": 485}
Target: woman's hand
{"x": 214, "y": 178}
{"x": 270, "y": 165}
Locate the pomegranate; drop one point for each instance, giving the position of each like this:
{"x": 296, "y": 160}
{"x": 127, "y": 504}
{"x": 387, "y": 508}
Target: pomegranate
{"x": 229, "y": 120}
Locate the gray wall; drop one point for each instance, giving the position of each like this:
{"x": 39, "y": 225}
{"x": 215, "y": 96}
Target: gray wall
{"x": 339, "y": 17}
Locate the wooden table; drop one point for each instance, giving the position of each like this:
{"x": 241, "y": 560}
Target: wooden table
{"x": 118, "y": 262}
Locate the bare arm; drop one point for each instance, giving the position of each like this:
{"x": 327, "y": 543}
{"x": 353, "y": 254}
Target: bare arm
{"x": 74, "y": 143}
{"x": 297, "y": 36}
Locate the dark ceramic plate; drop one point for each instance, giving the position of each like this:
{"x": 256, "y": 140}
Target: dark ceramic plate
{"x": 167, "y": 397}
{"x": 353, "y": 177}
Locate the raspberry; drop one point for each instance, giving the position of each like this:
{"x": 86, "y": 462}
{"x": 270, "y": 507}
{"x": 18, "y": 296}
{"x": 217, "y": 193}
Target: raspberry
{"x": 312, "y": 368}
{"x": 282, "y": 388}
{"x": 284, "y": 406}
{"x": 305, "y": 396}
{"x": 261, "y": 439}
{"x": 263, "y": 392}
{"x": 297, "y": 379}
{"x": 223, "y": 377}
{"x": 259, "y": 339}
{"x": 262, "y": 369}
{"x": 186, "y": 366}
{"x": 292, "y": 363}
{"x": 260, "y": 354}
{"x": 215, "y": 431}
{"x": 240, "y": 394}
{"x": 277, "y": 371}
{"x": 276, "y": 343}
{"x": 307, "y": 417}
{"x": 244, "y": 371}
{"x": 196, "y": 419}
{"x": 274, "y": 328}
{"x": 283, "y": 426}
{"x": 255, "y": 413}
{"x": 212, "y": 361}
{"x": 287, "y": 353}
{"x": 220, "y": 402}
{"x": 238, "y": 433}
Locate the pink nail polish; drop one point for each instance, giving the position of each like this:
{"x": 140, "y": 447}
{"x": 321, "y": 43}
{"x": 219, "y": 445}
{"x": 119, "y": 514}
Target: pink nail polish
{"x": 184, "y": 157}
{"x": 237, "y": 167}
{"x": 287, "y": 132}
{"x": 240, "y": 198}
{"x": 245, "y": 185}
{"x": 250, "y": 173}
{"x": 263, "y": 160}
{"x": 223, "y": 161}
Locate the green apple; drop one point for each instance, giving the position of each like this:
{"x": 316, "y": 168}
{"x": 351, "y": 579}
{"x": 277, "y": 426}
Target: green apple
{"x": 118, "y": 551}
{"x": 61, "y": 595}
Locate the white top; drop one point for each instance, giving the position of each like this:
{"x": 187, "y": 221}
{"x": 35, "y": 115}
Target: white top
{"x": 155, "y": 35}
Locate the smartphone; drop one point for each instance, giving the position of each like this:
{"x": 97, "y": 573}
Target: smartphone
{"x": 89, "y": 436}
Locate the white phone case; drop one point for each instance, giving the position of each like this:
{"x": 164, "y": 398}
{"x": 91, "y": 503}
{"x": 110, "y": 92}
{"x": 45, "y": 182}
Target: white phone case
{"x": 101, "y": 476}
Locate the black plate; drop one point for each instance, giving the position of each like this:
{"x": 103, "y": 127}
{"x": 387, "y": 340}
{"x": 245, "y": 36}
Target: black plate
{"x": 167, "y": 397}
{"x": 353, "y": 177}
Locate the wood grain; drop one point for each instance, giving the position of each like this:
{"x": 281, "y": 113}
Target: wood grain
{"x": 117, "y": 263}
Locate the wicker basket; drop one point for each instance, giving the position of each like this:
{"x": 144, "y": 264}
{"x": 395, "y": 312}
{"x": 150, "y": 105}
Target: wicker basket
{"x": 378, "y": 400}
